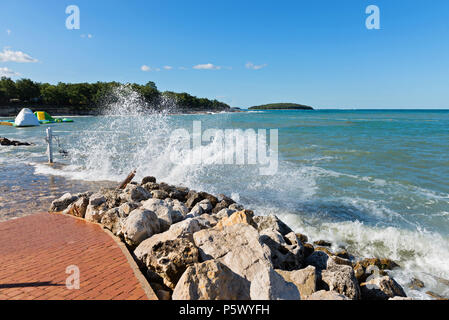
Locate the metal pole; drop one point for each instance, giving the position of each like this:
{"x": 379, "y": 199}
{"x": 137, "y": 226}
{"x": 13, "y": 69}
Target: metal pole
{"x": 49, "y": 145}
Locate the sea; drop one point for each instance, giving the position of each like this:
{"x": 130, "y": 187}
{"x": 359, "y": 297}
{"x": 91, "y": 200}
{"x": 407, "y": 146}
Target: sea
{"x": 374, "y": 182}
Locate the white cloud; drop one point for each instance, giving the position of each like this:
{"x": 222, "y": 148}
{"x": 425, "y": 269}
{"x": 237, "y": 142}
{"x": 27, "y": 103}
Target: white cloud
{"x": 88, "y": 36}
{"x": 168, "y": 67}
{"x": 5, "y": 72}
{"x": 252, "y": 66}
{"x": 15, "y": 56}
{"x": 8, "y": 32}
{"x": 182, "y": 68}
{"x": 146, "y": 68}
{"x": 207, "y": 66}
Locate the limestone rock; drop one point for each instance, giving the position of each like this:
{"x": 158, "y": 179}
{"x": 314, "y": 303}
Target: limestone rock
{"x": 111, "y": 220}
{"x": 211, "y": 280}
{"x": 126, "y": 208}
{"x": 341, "y": 278}
{"x": 243, "y": 216}
{"x": 236, "y": 246}
{"x": 305, "y": 280}
{"x": 381, "y": 288}
{"x": 169, "y": 259}
{"x": 139, "y": 225}
{"x": 95, "y": 213}
{"x": 270, "y": 285}
{"x": 78, "y": 208}
{"x": 63, "y": 202}
{"x": 193, "y": 198}
{"x": 284, "y": 255}
{"x": 327, "y": 295}
{"x": 97, "y": 199}
{"x": 165, "y": 211}
{"x": 224, "y": 213}
{"x": 159, "y": 194}
{"x": 134, "y": 193}
{"x": 272, "y": 222}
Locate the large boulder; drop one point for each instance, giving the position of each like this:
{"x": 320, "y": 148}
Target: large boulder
{"x": 286, "y": 252}
{"x": 341, "y": 279}
{"x": 244, "y": 216}
{"x": 63, "y": 202}
{"x": 272, "y": 222}
{"x": 169, "y": 259}
{"x": 305, "y": 280}
{"x": 327, "y": 295}
{"x": 167, "y": 211}
{"x": 139, "y": 225}
{"x": 134, "y": 193}
{"x": 193, "y": 198}
{"x": 211, "y": 280}
{"x": 235, "y": 246}
{"x": 270, "y": 285}
{"x": 381, "y": 288}
{"x": 112, "y": 221}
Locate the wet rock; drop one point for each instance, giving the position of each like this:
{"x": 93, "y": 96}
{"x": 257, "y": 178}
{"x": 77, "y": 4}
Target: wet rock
{"x": 179, "y": 194}
{"x": 343, "y": 254}
{"x": 327, "y": 295}
{"x": 169, "y": 259}
{"x": 223, "y": 203}
{"x": 270, "y": 285}
{"x": 236, "y": 246}
{"x": 193, "y": 198}
{"x": 150, "y": 186}
{"x": 139, "y": 225}
{"x": 159, "y": 194}
{"x": 322, "y": 243}
{"x": 7, "y": 142}
{"x": 63, "y": 202}
{"x": 308, "y": 249}
{"x": 302, "y": 237}
{"x": 305, "y": 280}
{"x": 381, "y": 288}
{"x": 78, "y": 208}
{"x": 145, "y": 180}
{"x": 435, "y": 295}
{"x": 341, "y": 278}
{"x": 326, "y": 250}
{"x": 212, "y": 199}
{"x": 211, "y": 280}
{"x": 416, "y": 284}
{"x": 382, "y": 264}
{"x": 400, "y": 298}
{"x": 272, "y": 222}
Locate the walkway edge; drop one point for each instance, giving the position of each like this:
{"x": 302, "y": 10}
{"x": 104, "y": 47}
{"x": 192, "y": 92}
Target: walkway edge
{"x": 146, "y": 287}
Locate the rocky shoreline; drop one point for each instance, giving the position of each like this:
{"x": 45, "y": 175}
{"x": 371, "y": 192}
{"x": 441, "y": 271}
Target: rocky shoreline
{"x": 196, "y": 246}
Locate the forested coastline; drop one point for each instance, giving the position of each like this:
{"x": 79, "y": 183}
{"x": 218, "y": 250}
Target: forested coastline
{"x": 89, "y": 97}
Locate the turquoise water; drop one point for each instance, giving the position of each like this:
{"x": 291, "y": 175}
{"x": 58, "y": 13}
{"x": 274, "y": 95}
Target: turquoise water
{"x": 373, "y": 181}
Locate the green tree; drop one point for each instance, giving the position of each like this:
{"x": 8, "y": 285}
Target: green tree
{"x": 27, "y": 90}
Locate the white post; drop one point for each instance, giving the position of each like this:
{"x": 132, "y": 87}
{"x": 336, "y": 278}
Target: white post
{"x": 49, "y": 145}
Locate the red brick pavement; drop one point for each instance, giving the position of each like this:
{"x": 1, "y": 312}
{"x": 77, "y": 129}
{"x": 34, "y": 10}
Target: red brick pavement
{"x": 36, "y": 250}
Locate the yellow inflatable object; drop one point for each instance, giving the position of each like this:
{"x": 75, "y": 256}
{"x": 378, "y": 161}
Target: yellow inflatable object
{"x": 6, "y": 124}
{"x": 40, "y": 115}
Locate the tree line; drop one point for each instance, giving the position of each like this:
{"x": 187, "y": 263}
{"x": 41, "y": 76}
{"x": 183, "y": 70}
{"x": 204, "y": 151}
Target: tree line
{"x": 89, "y": 96}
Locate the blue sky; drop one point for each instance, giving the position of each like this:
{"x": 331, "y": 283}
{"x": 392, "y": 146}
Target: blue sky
{"x": 313, "y": 52}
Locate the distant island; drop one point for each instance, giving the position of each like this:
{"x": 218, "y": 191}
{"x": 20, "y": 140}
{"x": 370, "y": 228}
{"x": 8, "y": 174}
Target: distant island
{"x": 281, "y": 106}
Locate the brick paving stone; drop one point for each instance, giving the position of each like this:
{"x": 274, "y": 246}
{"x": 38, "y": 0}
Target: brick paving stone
{"x": 36, "y": 250}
